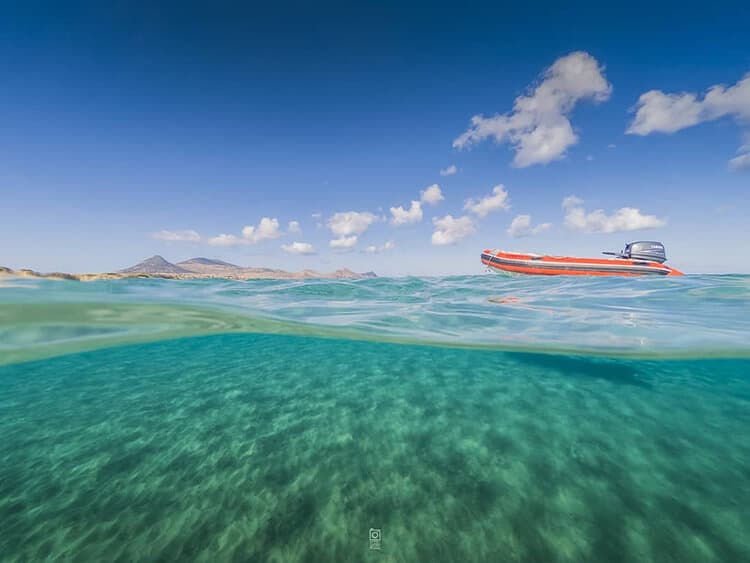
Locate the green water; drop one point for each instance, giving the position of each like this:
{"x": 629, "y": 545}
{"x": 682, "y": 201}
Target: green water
{"x": 277, "y": 447}
{"x": 471, "y": 418}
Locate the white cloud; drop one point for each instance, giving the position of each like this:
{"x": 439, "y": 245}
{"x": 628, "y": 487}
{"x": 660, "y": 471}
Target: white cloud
{"x": 178, "y": 236}
{"x": 343, "y": 242}
{"x": 521, "y": 227}
{"x": 571, "y": 201}
{"x": 449, "y": 230}
{"x": 293, "y": 227}
{"x": 298, "y": 248}
{"x": 665, "y": 113}
{"x": 267, "y": 229}
{"x": 390, "y": 245}
{"x": 431, "y": 194}
{"x": 496, "y": 201}
{"x": 741, "y": 162}
{"x": 450, "y": 171}
{"x": 226, "y": 240}
{"x": 611, "y": 146}
{"x": 589, "y": 157}
{"x": 403, "y": 216}
{"x": 350, "y": 222}
{"x": 624, "y": 219}
{"x": 538, "y": 128}
{"x": 657, "y": 112}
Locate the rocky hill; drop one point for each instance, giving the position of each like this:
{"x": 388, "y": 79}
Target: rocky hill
{"x": 208, "y": 266}
{"x": 154, "y": 265}
{"x": 195, "y": 268}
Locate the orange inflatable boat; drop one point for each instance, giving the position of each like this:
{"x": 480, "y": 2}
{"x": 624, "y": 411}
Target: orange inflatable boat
{"x": 639, "y": 258}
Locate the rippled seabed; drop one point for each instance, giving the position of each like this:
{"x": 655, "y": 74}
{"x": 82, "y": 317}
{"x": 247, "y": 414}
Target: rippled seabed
{"x": 222, "y": 421}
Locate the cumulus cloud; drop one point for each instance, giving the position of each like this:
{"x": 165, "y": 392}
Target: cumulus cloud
{"x": 657, "y": 112}
{"x": 294, "y": 227}
{"x": 267, "y": 229}
{"x": 450, "y": 171}
{"x": 449, "y": 230}
{"x": 539, "y": 128}
{"x": 226, "y": 240}
{"x": 389, "y": 245}
{"x": 401, "y": 216}
{"x": 624, "y": 219}
{"x": 665, "y": 113}
{"x": 497, "y": 200}
{"x": 431, "y": 194}
{"x": 343, "y": 242}
{"x": 348, "y": 223}
{"x": 298, "y": 248}
{"x": 521, "y": 227}
{"x": 571, "y": 201}
{"x": 177, "y": 236}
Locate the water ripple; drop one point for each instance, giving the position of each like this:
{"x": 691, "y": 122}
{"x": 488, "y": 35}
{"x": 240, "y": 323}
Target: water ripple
{"x": 691, "y": 315}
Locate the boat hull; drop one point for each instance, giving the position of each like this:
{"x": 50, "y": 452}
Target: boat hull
{"x": 512, "y": 262}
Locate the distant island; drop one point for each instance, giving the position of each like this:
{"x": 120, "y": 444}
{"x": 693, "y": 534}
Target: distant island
{"x": 195, "y": 268}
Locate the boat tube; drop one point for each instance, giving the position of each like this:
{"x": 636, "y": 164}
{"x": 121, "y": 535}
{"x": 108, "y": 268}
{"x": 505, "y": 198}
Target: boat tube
{"x": 639, "y": 258}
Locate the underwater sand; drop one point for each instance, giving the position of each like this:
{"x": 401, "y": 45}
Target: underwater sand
{"x": 240, "y": 445}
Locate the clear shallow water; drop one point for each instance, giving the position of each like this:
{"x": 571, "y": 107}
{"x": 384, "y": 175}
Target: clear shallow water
{"x": 688, "y": 316}
{"x": 220, "y": 421}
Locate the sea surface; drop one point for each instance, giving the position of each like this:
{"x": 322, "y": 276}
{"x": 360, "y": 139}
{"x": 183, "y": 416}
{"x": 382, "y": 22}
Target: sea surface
{"x": 477, "y": 418}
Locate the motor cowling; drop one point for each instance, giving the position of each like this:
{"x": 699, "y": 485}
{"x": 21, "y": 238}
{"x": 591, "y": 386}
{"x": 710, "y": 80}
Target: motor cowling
{"x": 651, "y": 251}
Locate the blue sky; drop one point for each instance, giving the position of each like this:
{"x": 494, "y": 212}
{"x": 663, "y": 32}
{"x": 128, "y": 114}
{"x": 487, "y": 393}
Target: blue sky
{"x": 124, "y": 124}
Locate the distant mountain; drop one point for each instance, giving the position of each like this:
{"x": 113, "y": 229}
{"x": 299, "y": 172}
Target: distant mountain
{"x": 209, "y": 267}
{"x": 345, "y": 273}
{"x": 195, "y": 268}
{"x": 342, "y": 273}
{"x": 154, "y": 265}
{"x": 206, "y": 262}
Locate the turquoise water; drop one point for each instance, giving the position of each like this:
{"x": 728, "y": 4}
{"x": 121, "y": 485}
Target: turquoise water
{"x": 468, "y": 419}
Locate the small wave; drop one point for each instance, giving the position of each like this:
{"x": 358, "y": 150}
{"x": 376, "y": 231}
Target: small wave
{"x": 692, "y": 316}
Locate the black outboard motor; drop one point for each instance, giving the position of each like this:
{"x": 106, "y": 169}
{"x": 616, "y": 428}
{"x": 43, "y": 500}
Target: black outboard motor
{"x": 648, "y": 250}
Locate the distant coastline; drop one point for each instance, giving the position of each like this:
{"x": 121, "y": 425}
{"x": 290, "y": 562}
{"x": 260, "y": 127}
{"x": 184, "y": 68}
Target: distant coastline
{"x": 194, "y": 268}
